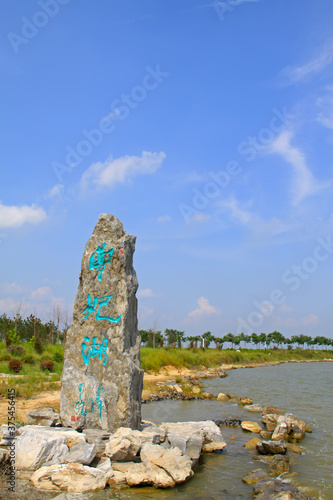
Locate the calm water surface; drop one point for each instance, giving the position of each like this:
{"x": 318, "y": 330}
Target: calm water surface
{"x": 305, "y": 389}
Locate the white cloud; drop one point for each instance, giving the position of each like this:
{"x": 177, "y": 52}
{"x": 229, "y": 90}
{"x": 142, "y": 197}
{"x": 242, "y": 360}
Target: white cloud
{"x": 16, "y": 216}
{"x": 120, "y": 170}
{"x": 147, "y": 293}
{"x": 57, "y": 190}
{"x": 200, "y": 218}
{"x": 304, "y": 183}
{"x": 204, "y": 309}
{"x": 163, "y": 218}
{"x": 41, "y": 293}
{"x": 11, "y": 289}
{"x": 251, "y": 220}
{"x": 310, "y": 319}
{"x": 315, "y": 65}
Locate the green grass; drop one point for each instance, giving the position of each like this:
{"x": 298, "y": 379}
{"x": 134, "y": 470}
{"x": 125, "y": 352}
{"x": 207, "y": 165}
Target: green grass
{"x": 155, "y": 359}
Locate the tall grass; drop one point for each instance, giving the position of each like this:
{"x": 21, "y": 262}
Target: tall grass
{"x": 155, "y": 359}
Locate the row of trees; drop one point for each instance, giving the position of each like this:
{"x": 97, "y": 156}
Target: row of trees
{"x": 19, "y": 329}
{"x": 176, "y": 338}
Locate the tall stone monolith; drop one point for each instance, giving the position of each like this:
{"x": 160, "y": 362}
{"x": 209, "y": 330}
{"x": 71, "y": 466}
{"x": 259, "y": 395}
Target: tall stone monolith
{"x": 101, "y": 381}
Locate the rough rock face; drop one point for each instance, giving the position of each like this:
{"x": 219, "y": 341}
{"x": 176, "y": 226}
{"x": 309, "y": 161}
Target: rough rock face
{"x": 101, "y": 382}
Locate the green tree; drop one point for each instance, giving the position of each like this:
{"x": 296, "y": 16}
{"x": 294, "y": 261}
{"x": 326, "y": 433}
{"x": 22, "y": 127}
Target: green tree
{"x": 208, "y": 338}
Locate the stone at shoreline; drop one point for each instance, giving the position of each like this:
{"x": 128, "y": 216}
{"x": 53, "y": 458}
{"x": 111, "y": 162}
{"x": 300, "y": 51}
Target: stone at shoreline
{"x": 278, "y": 465}
{"x": 254, "y": 408}
{"x": 294, "y": 448}
{"x": 123, "y": 445}
{"x": 266, "y": 435}
{"x": 82, "y": 453}
{"x": 101, "y": 382}
{"x": 222, "y": 397}
{"x": 208, "y": 395}
{"x": 251, "y": 426}
{"x": 272, "y": 447}
{"x": 69, "y": 477}
{"x": 34, "y": 449}
{"x": 273, "y": 489}
{"x": 97, "y": 437}
{"x": 245, "y": 401}
{"x": 212, "y": 435}
{"x": 255, "y": 476}
{"x": 43, "y": 416}
{"x": 252, "y": 444}
{"x": 290, "y": 428}
{"x": 172, "y": 461}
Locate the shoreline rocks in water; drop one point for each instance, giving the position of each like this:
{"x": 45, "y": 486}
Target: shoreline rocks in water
{"x": 63, "y": 459}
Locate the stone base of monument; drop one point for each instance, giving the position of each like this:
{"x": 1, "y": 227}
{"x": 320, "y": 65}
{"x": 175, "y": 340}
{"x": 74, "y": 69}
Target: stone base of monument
{"x": 60, "y": 458}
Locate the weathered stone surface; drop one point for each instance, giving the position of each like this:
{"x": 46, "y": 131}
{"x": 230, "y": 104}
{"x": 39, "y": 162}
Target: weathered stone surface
{"x": 172, "y": 461}
{"x": 272, "y": 447}
{"x": 255, "y": 476}
{"x": 270, "y": 487}
{"x": 213, "y": 439}
{"x": 7, "y": 434}
{"x": 123, "y": 445}
{"x": 266, "y": 434}
{"x": 245, "y": 401}
{"x": 72, "y": 437}
{"x": 280, "y": 432}
{"x": 247, "y": 425}
{"x": 69, "y": 477}
{"x": 278, "y": 465}
{"x": 255, "y": 408}
{"x": 33, "y": 449}
{"x": 101, "y": 382}
{"x": 81, "y": 453}
{"x": 222, "y": 397}
{"x": 97, "y": 437}
{"x": 43, "y": 416}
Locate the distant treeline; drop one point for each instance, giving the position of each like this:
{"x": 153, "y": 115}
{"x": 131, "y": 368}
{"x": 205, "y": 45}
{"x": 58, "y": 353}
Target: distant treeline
{"x": 19, "y": 329}
{"x": 175, "y": 338}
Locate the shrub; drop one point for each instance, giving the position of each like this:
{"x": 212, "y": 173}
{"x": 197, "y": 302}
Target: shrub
{"x": 58, "y": 357}
{"x": 16, "y": 350}
{"x": 15, "y": 365}
{"x": 29, "y": 359}
{"x": 47, "y": 364}
{"x": 38, "y": 345}
{"x": 5, "y": 357}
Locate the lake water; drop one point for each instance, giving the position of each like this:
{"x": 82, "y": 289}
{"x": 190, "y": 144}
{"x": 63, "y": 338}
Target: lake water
{"x": 305, "y": 389}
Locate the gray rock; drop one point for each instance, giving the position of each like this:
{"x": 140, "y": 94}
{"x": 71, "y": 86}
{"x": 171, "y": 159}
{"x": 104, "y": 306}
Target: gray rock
{"x": 43, "y": 416}
{"x": 212, "y": 435}
{"x": 272, "y": 447}
{"x": 81, "y": 453}
{"x": 101, "y": 382}
{"x": 97, "y": 437}
{"x": 33, "y": 449}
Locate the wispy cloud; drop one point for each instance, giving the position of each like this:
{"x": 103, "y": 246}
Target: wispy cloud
{"x": 120, "y": 170}
{"x": 320, "y": 61}
{"x": 163, "y": 218}
{"x": 204, "y": 309}
{"x": 16, "y": 216}
{"x": 325, "y": 106}
{"x": 310, "y": 319}
{"x": 252, "y": 221}
{"x": 147, "y": 293}
{"x": 304, "y": 183}
{"x": 56, "y": 191}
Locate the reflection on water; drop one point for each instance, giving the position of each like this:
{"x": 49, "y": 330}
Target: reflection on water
{"x": 304, "y": 389}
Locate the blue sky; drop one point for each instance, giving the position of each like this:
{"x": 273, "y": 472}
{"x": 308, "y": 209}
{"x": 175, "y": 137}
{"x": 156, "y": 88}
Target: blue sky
{"x": 205, "y": 127}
